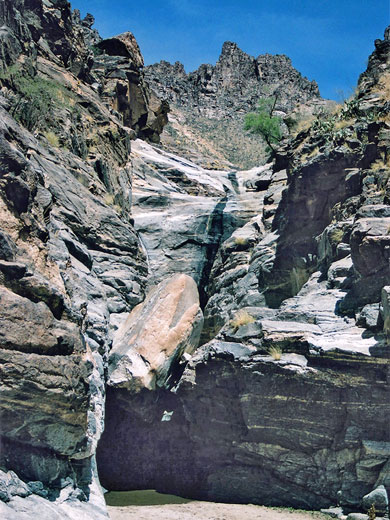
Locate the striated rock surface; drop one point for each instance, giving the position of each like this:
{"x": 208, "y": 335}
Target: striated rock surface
{"x": 183, "y": 212}
{"x": 70, "y": 260}
{"x": 247, "y": 428}
{"x": 286, "y": 402}
{"x": 46, "y": 29}
{"x": 158, "y": 333}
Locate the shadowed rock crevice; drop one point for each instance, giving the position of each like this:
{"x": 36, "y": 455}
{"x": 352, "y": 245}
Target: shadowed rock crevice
{"x": 215, "y": 230}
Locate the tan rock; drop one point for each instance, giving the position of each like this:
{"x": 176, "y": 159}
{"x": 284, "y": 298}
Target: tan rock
{"x": 156, "y": 334}
{"x": 125, "y": 45}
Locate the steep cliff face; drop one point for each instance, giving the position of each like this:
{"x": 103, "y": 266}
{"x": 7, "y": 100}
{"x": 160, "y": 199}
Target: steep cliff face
{"x": 286, "y": 401}
{"x": 46, "y": 29}
{"x": 209, "y": 104}
{"x": 71, "y": 261}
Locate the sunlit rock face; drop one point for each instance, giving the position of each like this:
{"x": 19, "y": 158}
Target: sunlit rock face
{"x": 159, "y": 333}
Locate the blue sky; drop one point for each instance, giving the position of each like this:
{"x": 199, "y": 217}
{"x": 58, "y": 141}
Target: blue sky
{"x": 327, "y": 40}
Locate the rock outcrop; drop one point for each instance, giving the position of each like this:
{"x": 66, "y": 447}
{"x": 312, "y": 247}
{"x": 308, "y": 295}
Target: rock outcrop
{"x": 288, "y": 403}
{"x": 71, "y": 262}
{"x": 118, "y": 70}
{"x": 209, "y": 104}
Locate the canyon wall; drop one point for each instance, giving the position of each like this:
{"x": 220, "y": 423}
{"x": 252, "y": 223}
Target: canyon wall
{"x": 115, "y": 251}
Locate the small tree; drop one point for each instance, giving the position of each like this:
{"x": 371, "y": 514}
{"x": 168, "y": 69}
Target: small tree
{"x": 264, "y": 123}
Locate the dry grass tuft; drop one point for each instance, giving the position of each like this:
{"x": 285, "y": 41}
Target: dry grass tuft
{"x": 380, "y": 164}
{"x": 343, "y": 123}
{"x": 275, "y": 353}
{"x": 336, "y": 235}
{"x": 241, "y": 318}
{"x": 109, "y": 199}
{"x": 383, "y": 87}
{"x": 303, "y": 125}
{"x": 240, "y": 241}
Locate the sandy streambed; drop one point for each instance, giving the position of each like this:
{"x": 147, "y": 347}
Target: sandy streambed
{"x": 150, "y": 505}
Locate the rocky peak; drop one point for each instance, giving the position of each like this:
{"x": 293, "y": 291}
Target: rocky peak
{"x": 378, "y": 64}
{"x": 211, "y": 102}
{"x": 234, "y": 83}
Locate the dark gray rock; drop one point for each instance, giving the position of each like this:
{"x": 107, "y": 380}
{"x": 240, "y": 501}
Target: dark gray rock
{"x": 239, "y": 412}
{"x": 118, "y": 69}
{"x": 378, "y": 497}
{"x": 12, "y": 270}
{"x": 7, "y": 247}
{"x": 369, "y": 317}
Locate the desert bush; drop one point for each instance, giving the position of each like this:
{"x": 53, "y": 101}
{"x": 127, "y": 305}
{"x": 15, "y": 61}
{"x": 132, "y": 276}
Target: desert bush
{"x": 52, "y": 139}
{"x": 109, "y": 199}
{"x": 380, "y": 164}
{"x": 263, "y": 122}
{"x": 34, "y": 97}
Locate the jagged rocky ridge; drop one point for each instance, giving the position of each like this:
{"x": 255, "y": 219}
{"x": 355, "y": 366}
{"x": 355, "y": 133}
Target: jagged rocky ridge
{"x": 90, "y": 222}
{"x": 208, "y": 105}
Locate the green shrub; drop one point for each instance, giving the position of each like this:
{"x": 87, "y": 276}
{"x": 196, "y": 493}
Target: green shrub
{"x": 35, "y": 97}
{"x": 264, "y": 123}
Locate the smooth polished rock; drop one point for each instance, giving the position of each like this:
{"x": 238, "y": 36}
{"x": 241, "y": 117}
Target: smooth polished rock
{"x": 151, "y": 341}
